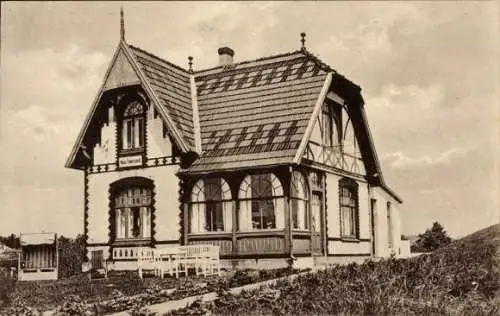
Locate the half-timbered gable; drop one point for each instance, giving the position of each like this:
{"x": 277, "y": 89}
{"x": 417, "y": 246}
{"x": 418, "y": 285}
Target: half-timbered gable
{"x": 269, "y": 159}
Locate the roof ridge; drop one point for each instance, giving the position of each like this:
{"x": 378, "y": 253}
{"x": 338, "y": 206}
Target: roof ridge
{"x": 318, "y": 61}
{"x": 305, "y": 52}
{"x": 197, "y": 72}
{"x": 157, "y": 57}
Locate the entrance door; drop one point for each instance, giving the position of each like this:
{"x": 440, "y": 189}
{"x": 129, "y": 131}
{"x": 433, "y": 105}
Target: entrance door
{"x": 316, "y": 211}
{"x": 373, "y": 210}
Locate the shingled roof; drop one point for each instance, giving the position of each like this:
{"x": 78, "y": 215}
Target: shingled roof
{"x": 171, "y": 85}
{"x": 255, "y": 113}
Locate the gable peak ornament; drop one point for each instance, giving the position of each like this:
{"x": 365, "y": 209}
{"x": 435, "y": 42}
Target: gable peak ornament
{"x": 122, "y": 25}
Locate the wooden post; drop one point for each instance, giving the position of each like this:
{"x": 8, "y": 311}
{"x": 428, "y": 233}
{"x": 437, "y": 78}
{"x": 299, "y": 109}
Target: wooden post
{"x": 57, "y": 256}
{"x": 310, "y": 209}
{"x": 235, "y": 225}
{"x": 289, "y": 210}
{"x": 186, "y": 221}
{"x": 324, "y": 229}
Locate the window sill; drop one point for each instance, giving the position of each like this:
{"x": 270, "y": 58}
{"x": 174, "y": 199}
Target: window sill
{"x": 131, "y": 151}
{"x": 132, "y": 242}
{"x": 211, "y": 234}
{"x": 350, "y": 239}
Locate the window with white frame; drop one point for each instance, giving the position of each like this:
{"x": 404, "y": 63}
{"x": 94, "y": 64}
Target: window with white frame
{"x": 132, "y": 209}
{"x": 210, "y": 207}
{"x": 349, "y": 218}
{"x": 133, "y": 126}
{"x": 261, "y": 203}
{"x": 299, "y": 201}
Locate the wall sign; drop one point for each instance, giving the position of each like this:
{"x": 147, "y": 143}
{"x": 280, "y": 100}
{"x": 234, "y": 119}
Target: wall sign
{"x": 130, "y": 161}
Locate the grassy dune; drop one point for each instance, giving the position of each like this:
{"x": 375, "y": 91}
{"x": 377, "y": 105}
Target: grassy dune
{"x": 459, "y": 279}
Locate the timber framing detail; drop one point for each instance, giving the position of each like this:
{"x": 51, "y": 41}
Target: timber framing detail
{"x": 150, "y": 163}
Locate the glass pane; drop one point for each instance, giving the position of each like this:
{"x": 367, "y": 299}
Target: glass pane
{"x": 128, "y": 139}
{"x": 140, "y": 132}
{"x": 261, "y": 185}
{"x": 213, "y": 189}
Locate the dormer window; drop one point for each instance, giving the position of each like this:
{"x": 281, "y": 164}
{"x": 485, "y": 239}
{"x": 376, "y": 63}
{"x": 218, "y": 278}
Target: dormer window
{"x": 133, "y": 127}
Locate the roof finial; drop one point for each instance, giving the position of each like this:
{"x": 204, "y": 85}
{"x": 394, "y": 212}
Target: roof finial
{"x": 303, "y": 40}
{"x": 122, "y": 25}
{"x": 190, "y": 58}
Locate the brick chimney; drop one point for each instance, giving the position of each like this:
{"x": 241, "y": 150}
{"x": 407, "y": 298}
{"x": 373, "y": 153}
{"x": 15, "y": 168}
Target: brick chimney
{"x": 225, "y": 56}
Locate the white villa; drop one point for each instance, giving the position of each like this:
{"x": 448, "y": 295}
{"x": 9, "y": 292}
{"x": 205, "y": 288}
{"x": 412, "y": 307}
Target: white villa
{"x": 270, "y": 159}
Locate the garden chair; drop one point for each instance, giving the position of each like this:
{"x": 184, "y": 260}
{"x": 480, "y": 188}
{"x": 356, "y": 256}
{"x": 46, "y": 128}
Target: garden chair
{"x": 170, "y": 261}
{"x": 146, "y": 261}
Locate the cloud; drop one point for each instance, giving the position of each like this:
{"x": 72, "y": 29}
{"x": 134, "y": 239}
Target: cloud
{"x": 398, "y": 160}
{"x": 409, "y": 98}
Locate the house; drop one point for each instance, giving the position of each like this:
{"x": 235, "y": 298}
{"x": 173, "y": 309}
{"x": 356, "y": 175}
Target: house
{"x": 269, "y": 159}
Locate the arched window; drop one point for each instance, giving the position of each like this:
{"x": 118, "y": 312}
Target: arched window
{"x": 299, "y": 201}
{"x": 210, "y": 208}
{"x": 132, "y": 212}
{"x": 349, "y": 208}
{"x": 133, "y": 126}
{"x": 261, "y": 203}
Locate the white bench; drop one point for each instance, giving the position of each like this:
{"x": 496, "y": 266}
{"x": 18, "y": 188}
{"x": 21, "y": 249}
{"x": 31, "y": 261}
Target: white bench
{"x": 203, "y": 258}
{"x": 176, "y": 260}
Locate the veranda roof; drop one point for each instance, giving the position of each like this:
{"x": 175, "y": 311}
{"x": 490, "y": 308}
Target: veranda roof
{"x": 37, "y": 239}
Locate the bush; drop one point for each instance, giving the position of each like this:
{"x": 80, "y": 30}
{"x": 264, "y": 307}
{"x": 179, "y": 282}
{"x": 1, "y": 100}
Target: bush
{"x": 458, "y": 279}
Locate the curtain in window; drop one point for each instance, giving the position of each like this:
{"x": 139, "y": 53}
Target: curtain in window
{"x": 211, "y": 206}
{"x": 299, "y": 198}
{"x": 227, "y": 210}
{"x": 146, "y": 220}
{"x": 316, "y": 212}
{"x": 261, "y": 203}
{"x": 198, "y": 211}
{"x": 279, "y": 210}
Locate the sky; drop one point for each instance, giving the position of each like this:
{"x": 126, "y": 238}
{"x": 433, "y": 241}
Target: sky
{"x": 428, "y": 70}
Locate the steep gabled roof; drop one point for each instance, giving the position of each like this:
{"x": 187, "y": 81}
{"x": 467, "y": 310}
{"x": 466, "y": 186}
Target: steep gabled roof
{"x": 165, "y": 84}
{"x": 256, "y": 112}
{"x": 171, "y": 84}
{"x": 252, "y": 113}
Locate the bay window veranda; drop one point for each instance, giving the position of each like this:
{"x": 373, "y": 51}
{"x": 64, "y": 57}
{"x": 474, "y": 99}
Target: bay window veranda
{"x": 257, "y": 220}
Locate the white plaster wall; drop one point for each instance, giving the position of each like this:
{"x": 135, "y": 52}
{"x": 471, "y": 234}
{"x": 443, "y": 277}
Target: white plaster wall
{"x": 347, "y": 248}
{"x": 332, "y": 207}
{"x": 157, "y": 146}
{"x": 105, "y": 152}
{"x": 333, "y": 218}
{"x": 167, "y": 205}
{"x": 364, "y": 211}
{"x": 381, "y": 223}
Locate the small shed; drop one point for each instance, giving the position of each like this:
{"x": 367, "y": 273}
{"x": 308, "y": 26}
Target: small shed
{"x": 39, "y": 258}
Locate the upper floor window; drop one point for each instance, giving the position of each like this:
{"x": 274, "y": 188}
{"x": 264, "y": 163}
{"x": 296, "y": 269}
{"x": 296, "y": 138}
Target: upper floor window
{"x": 261, "y": 203}
{"x": 133, "y": 126}
{"x": 299, "y": 201}
{"x": 327, "y": 125}
{"x": 331, "y": 123}
{"x": 210, "y": 206}
{"x": 349, "y": 208}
